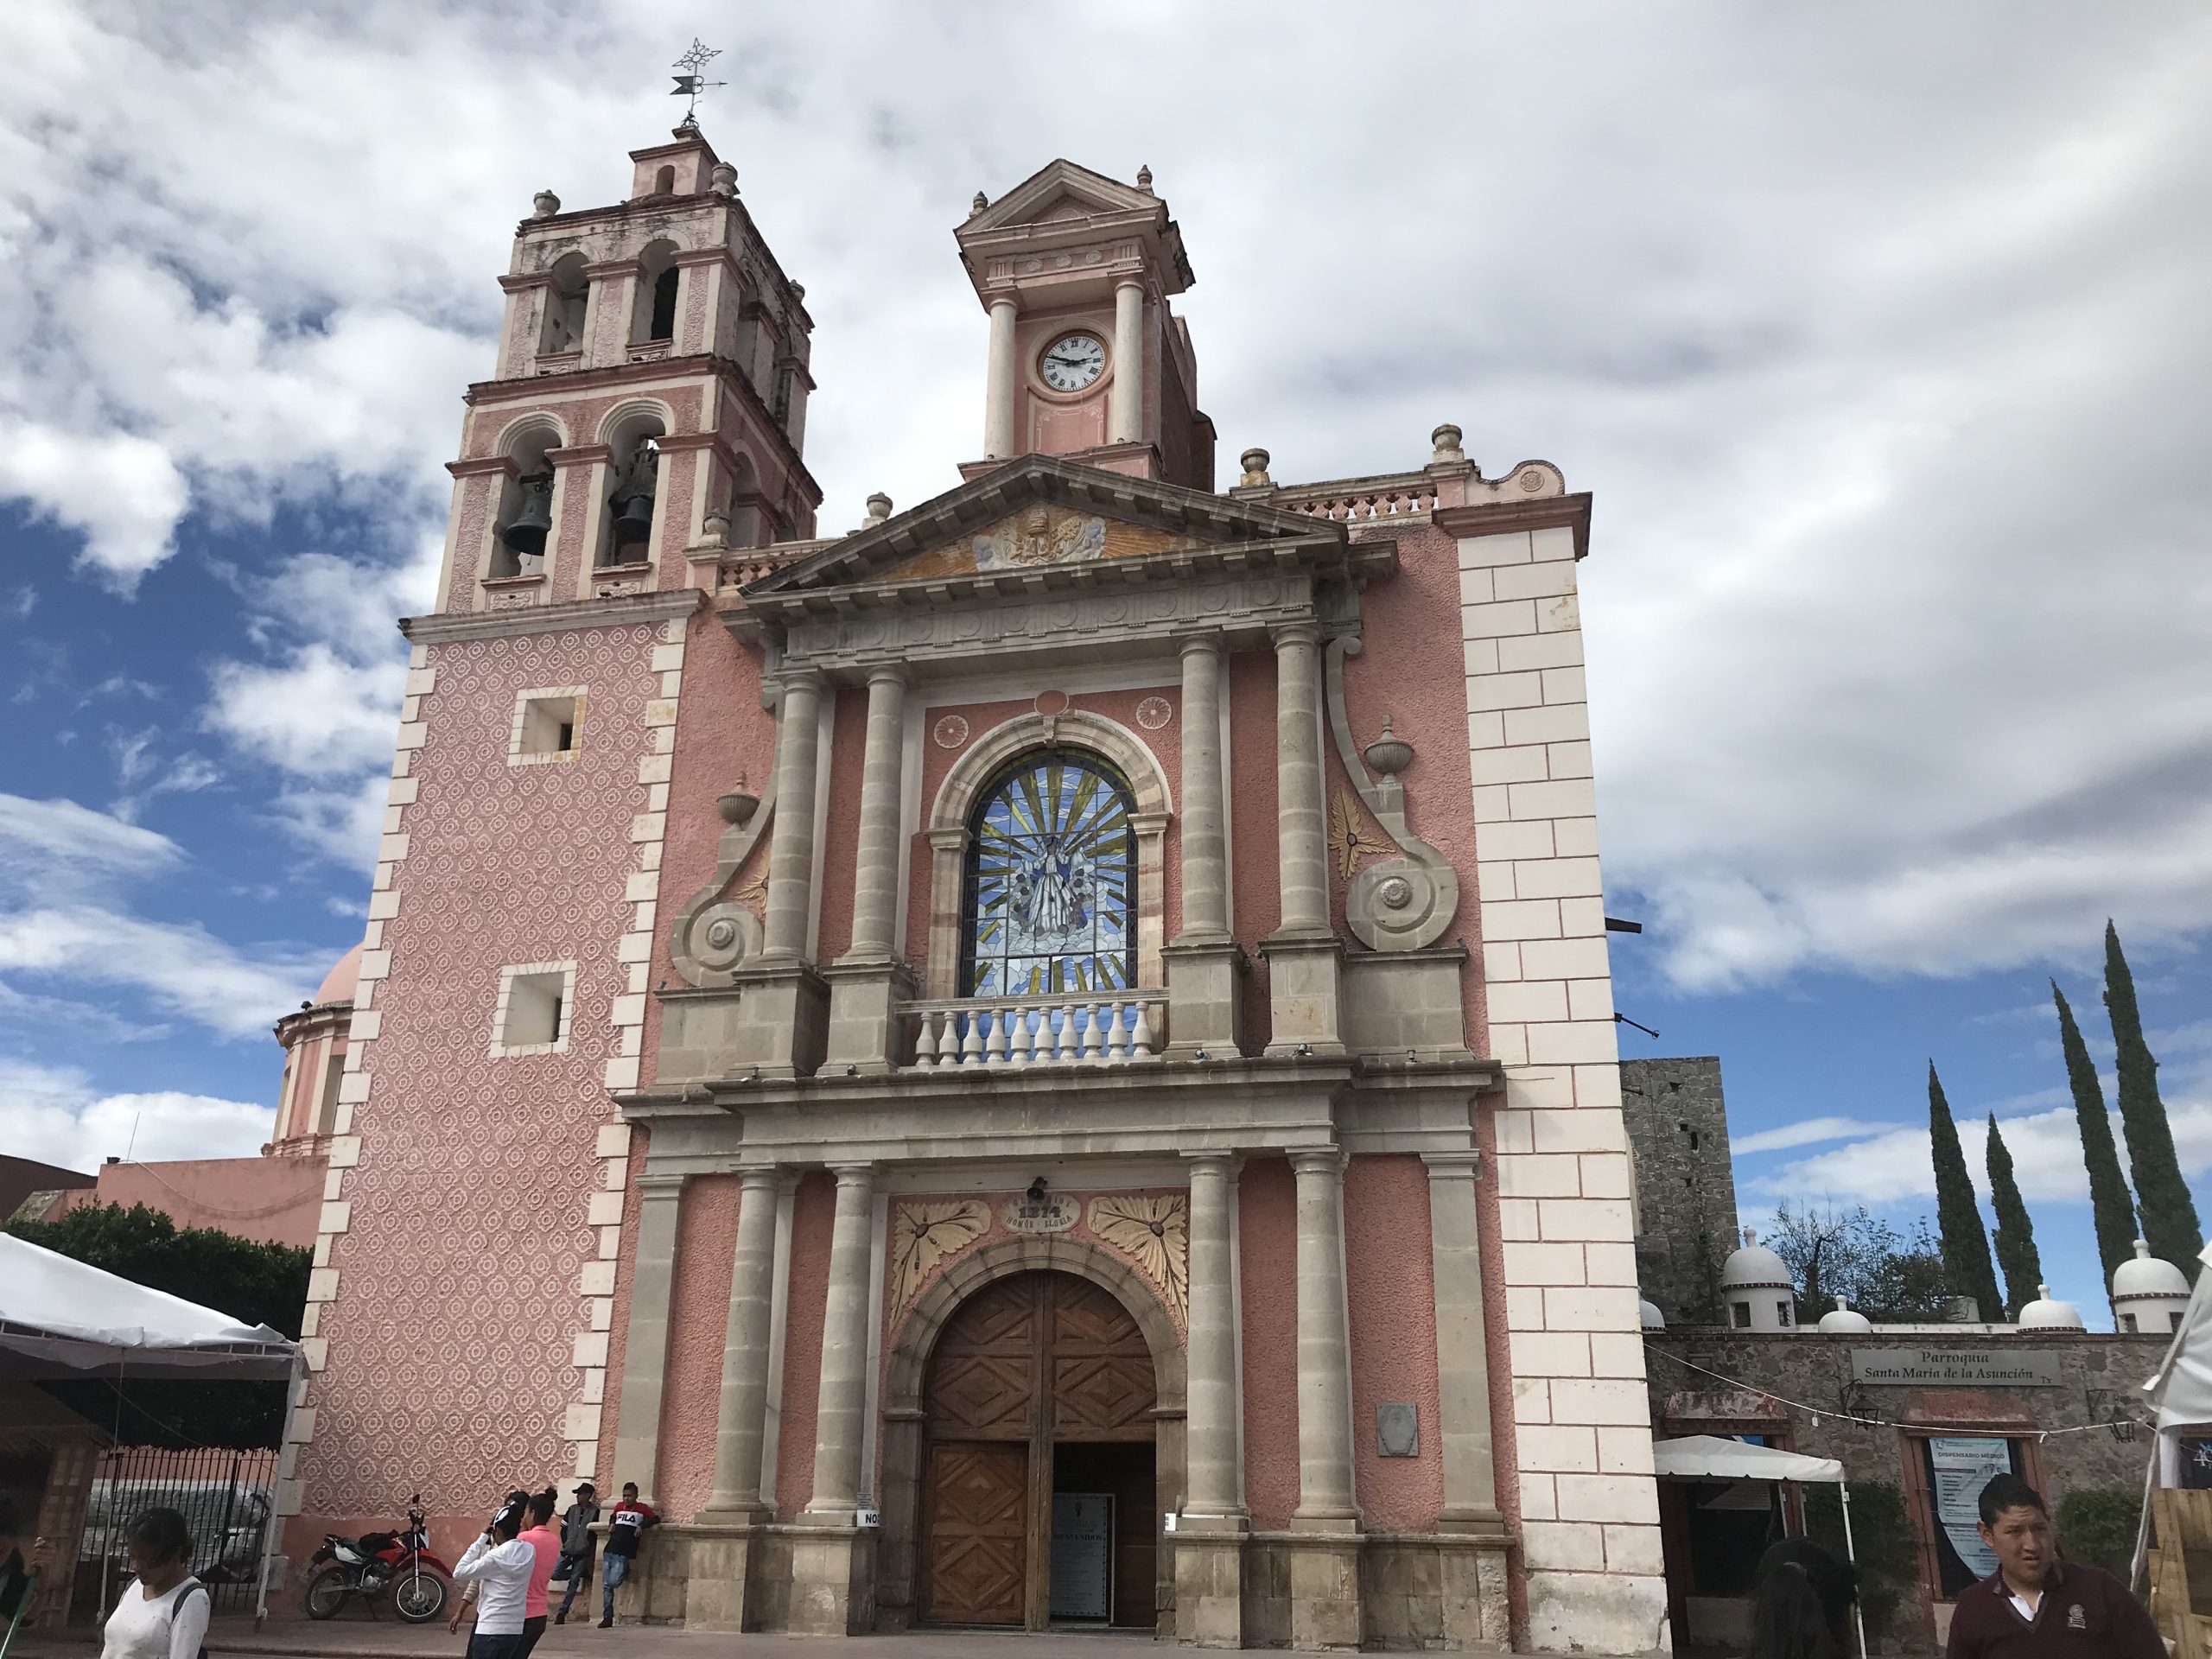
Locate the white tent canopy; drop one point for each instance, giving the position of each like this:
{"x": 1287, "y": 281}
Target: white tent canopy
{"x": 1710, "y": 1457}
{"x": 2181, "y": 1389}
{"x": 59, "y": 1316}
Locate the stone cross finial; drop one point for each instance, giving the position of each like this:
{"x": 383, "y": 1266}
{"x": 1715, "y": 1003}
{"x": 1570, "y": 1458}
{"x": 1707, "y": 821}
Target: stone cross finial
{"x": 1144, "y": 178}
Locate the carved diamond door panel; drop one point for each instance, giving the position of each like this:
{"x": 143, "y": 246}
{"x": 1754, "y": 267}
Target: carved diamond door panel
{"x": 975, "y": 1534}
{"x": 1101, "y": 1397}
{"x": 985, "y": 1396}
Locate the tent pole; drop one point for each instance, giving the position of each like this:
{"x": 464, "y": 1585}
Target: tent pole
{"x": 1850, "y": 1555}
{"x": 293, "y": 1384}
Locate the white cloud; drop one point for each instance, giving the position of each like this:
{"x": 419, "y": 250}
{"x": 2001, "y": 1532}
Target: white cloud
{"x": 179, "y": 968}
{"x": 62, "y": 839}
{"x": 124, "y": 494}
{"x": 1810, "y": 1132}
{"x": 2046, "y": 1149}
{"x": 316, "y": 715}
{"x": 54, "y": 1116}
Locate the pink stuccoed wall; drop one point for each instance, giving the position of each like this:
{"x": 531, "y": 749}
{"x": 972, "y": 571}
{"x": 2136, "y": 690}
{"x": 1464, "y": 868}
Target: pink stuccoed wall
{"x": 698, "y": 1313}
{"x": 814, "y": 1215}
{"x": 1391, "y": 1288}
{"x": 1256, "y": 882}
{"x": 1266, "y": 1243}
{"x": 272, "y": 1200}
{"x": 841, "y": 849}
{"x": 470, "y": 1197}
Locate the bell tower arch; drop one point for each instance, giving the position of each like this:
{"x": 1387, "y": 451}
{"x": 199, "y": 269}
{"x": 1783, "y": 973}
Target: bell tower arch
{"x": 669, "y": 301}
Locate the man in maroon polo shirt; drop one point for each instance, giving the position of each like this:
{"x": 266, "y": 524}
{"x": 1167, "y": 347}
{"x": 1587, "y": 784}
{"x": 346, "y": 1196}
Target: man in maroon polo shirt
{"x": 2036, "y": 1606}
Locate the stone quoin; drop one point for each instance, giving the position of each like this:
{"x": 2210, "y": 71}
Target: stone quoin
{"x": 1049, "y": 1058}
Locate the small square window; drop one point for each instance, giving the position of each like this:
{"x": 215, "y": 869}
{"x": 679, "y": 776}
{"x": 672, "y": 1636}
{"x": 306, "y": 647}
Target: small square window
{"x": 1783, "y": 1312}
{"x": 536, "y": 1010}
{"x": 1740, "y": 1315}
{"x": 547, "y": 724}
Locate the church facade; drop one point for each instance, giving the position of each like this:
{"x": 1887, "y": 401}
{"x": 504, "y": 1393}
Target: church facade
{"x": 1047, "y": 1060}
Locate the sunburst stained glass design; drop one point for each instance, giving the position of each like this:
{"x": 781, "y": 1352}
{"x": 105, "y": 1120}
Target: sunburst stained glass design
{"x": 1051, "y": 868}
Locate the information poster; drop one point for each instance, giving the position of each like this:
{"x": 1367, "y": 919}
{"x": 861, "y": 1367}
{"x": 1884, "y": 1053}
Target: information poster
{"x": 1962, "y": 1466}
{"x": 1083, "y": 1556}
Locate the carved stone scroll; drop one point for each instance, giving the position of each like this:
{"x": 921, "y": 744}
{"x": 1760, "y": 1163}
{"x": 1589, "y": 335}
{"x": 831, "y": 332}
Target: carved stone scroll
{"x": 1395, "y": 904}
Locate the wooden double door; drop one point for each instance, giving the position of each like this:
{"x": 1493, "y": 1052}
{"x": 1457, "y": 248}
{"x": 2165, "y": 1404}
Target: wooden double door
{"x": 1041, "y": 1382}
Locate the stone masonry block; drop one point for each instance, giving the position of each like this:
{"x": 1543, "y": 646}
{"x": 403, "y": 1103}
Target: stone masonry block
{"x": 1553, "y": 1353}
{"x": 1519, "y": 765}
{"x": 1532, "y": 1400}
{"x": 1538, "y": 1500}
{"x": 1605, "y": 1175}
{"x": 1586, "y": 1220}
{"x": 1543, "y": 1263}
{"x": 1533, "y": 1086}
{"x": 1616, "y": 1353}
{"x": 1572, "y": 1042}
{"x": 1517, "y": 919}
{"x": 613, "y": 1141}
{"x": 1599, "y": 1401}
{"x": 1492, "y": 802}
{"x": 1590, "y": 999}
{"x": 1565, "y": 685}
{"x": 603, "y": 1210}
{"x": 1524, "y": 1308}
{"x": 1575, "y": 837}
{"x": 1513, "y": 1132}
{"x": 1634, "y": 1549}
{"x": 1526, "y": 1001}
{"x": 1494, "y": 880}
{"x": 1566, "y": 723}
{"x": 1555, "y": 878}
{"x": 1598, "y": 1085}
{"x": 1536, "y": 580}
{"x": 1509, "y": 1044}
{"x": 1572, "y": 1547}
{"x": 1479, "y": 655}
{"x": 1556, "y": 544}
{"x": 1539, "y": 651}
{"x": 1502, "y": 961}
{"x": 1567, "y": 760}
{"x": 1559, "y": 1448}
{"x": 1565, "y": 797}
{"x": 1623, "y": 1451}
{"x": 1612, "y": 1264}
{"x": 1530, "y": 1177}
{"x": 1582, "y": 919}
{"x": 1565, "y": 959}
{"x": 1560, "y": 615}
{"x": 1516, "y": 1220}
{"x": 1494, "y": 621}
{"x": 1508, "y": 690}
{"x": 1607, "y": 1498}
{"x": 1485, "y": 729}
{"x": 1513, "y": 548}
{"x": 1573, "y": 1129}
{"x": 1514, "y": 840}
{"x": 1592, "y": 1308}
{"x": 1476, "y": 587}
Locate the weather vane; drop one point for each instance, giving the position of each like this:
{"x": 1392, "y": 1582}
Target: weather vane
{"x": 692, "y": 81}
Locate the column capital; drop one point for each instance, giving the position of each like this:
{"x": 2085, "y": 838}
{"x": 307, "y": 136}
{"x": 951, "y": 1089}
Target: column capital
{"x": 1010, "y": 302}
{"x": 761, "y": 1175}
{"x": 1304, "y": 631}
{"x": 1210, "y": 644}
{"x": 853, "y": 1174}
{"x": 1319, "y": 1160}
{"x": 896, "y": 674}
{"x": 1225, "y": 1162}
{"x": 1453, "y": 1166}
{"x": 652, "y": 1185}
{"x": 954, "y": 840}
{"x": 802, "y": 679}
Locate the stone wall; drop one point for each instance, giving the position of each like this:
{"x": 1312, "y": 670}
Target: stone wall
{"x": 1685, "y": 1184}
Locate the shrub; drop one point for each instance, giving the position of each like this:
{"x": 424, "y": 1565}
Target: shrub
{"x": 2098, "y": 1525}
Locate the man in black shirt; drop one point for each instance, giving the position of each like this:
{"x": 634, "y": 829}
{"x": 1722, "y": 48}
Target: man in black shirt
{"x": 2036, "y": 1606}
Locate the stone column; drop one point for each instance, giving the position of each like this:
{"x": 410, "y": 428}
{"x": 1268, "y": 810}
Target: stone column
{"x": 1205, "y": 966}
{"x": 790, "y": 851}
{"x": 1474, "y": 1577}
{"x": 1209, "y": 1531}
{"x": 736, "y": 1492}
{"x": 999, "y": 379}
{"x": 1305, "y": 958}
{"x": 1125, "y": 400}
{"x": 644, "y": 1359}
{"x": 1324, "y": 1589}
{"x": 844, "y": 1353}
{"x": 1205, "y": 860}
{"x": 869, "y": 982}
{"x": 1325, "y": 1492}
{"x": 833, "y": 1561}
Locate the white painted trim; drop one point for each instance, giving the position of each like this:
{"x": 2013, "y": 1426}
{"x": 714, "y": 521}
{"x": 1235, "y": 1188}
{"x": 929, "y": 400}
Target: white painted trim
{"x": 503, "y": 1050}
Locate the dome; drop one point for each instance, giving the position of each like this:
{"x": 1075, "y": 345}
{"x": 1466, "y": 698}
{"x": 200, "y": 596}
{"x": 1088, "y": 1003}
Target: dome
{"x": 1652, "y": 1318}
{"x": 338, "y": 985}
{"x": 2044, "y": 1314}
{"x": 1843, "y": 1320}
{"x": 2148, "y": 1276}
{"x": 1754, "y": 1268}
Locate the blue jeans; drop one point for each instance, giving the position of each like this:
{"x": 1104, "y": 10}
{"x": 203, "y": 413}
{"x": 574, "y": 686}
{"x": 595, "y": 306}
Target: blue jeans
{"x": 612, "y": 1571}
{"x": 493, "y": 1647}
{"x": 575, "y": 1569}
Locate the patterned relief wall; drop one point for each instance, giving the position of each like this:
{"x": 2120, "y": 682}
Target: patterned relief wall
{"x": 1150, "y": 1230}
{"x": 449, "y": 1362}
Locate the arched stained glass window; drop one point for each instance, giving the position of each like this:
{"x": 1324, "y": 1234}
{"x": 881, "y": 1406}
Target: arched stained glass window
{"x": 1051, "y": 880}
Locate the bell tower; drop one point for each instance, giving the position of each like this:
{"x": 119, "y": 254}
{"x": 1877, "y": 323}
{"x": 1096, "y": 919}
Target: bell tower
{"x": 649, "y": 397}
{"x": 1087, "y": 358}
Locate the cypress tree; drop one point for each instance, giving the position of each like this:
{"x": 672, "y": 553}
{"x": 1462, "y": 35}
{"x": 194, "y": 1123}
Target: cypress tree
{"x": 1966, "y": 1246}
{"x": 2111, "y": 1205}
{"x": 2161, "y": 1196}
{"x": 2015, "y": 1235}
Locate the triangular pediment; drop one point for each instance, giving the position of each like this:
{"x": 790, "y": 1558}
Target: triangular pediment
{"x": 1042, "y": 514}
{"x": 1061, "y": 190}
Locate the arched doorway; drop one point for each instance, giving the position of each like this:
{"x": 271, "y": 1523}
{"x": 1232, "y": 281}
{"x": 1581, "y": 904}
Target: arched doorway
{"x": 1037, "y": 1488}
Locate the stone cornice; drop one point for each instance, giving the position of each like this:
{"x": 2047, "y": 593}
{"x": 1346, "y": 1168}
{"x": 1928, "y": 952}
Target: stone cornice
{"x": 619, "y": 612}
{"x": 1502, "y": 517}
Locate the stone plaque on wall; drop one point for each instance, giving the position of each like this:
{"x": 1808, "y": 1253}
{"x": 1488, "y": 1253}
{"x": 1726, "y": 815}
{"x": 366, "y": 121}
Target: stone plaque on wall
{"x": 1055, "y": 1212}
{"x": 1955, "y": 1368}
{"x": 1397, "y": 1429}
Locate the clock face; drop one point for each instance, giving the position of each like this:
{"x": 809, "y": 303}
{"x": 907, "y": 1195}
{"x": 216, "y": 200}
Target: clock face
{"x": 1072, "y": 362}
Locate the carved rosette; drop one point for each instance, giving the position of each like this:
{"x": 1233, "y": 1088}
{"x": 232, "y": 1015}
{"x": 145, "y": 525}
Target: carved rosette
{"x": 1153, "y": 1231}
{"x": 927, "y": 1232}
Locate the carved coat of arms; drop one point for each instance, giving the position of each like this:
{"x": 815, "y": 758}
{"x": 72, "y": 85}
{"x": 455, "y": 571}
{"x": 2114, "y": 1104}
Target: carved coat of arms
{"x": 1040, "y": 535}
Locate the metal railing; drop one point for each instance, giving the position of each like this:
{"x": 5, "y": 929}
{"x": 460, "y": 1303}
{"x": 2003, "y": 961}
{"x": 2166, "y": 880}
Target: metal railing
{"x": 225, "y": 1496}
{"x": 1074, "y": 1028}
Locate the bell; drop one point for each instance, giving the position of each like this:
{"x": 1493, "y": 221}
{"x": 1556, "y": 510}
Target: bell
{"x": 525, "y": 532}
{"x": 633, "y": 503}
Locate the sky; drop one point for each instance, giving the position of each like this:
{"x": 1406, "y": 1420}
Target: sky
{"x": 1878, "y": 332}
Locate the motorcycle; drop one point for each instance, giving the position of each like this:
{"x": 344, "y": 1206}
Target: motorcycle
{"x": 399, "y": 1564}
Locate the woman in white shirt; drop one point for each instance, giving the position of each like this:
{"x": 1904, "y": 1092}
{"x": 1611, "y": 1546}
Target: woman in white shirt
{"x": 163, "y": 1612}
{"x": 499, "y": 1564}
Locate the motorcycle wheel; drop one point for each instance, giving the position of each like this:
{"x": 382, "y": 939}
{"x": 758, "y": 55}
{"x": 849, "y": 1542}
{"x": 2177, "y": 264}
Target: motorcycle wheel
{"x": 328, "y": 1590}
{"x": 418, "y": 1598}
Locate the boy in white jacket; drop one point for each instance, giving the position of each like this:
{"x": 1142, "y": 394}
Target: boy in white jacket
{"x": 498, "y": 1566}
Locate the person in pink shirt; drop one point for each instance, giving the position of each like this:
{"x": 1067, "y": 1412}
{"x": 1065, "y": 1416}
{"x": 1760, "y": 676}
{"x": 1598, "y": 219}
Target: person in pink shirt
{"x": 540, "y": 1535}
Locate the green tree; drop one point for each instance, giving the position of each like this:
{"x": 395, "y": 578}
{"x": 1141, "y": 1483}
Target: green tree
{"x": 1831, "y": 1252}
{"x": 2111, "y": 1205}
{"x": 1966, "y": 1246}
{"x": 2015, "y": 1235}
{"x": 254, "y": 1283}
{"x": 2161, "y": 1196}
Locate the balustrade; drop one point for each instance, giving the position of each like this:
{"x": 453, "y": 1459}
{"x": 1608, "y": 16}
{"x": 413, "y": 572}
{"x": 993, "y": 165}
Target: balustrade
{"x": 1364, "y": 499}
{"x": 1117, "y": 1029}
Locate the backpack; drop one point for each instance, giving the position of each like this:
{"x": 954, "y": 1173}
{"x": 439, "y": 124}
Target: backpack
{"x": 184, "y": 1593}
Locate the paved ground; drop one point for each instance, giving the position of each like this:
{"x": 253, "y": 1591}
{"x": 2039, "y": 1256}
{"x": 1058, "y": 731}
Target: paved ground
{"x": 354, "y": 1636}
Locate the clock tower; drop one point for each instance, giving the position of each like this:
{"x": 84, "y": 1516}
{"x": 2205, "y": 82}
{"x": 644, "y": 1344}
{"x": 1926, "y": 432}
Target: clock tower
{"x": 1087, "y": 358}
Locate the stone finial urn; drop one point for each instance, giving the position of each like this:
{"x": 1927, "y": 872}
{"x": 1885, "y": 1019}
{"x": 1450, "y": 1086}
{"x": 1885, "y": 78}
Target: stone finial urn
{"x": 736, "y": 805}
{"x": 1445, "y": 443}
{"x": 545, "y": 204}
{"x": 1255, "y": 463}
{"x": 722, "y": 182}
{"x": 977, "y": 206}
{"x": 1389, "y": 755}
{"x": 879, "y": 507}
